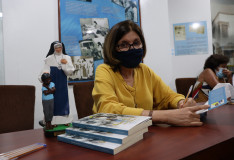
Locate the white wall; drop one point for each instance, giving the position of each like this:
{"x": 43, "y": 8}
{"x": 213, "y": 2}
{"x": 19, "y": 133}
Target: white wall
{"x": 158, "y": 17}
{"x": 155, "y": 24}
{"x": 2, "y": 77}
{"x": 31, "y": 25}
{"x": 29, "y": 28}
{"x": 181, "y": 11}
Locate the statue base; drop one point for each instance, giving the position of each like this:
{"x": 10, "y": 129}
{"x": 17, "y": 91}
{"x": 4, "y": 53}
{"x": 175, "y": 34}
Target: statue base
{"x": 59, "y": 129}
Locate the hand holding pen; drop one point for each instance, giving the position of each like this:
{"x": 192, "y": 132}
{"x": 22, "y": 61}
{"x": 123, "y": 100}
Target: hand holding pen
{"x": 188, "y": 102}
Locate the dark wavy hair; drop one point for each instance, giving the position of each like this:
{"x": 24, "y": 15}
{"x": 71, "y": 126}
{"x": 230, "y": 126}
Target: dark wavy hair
{"x": 215, "y": 60}
{"x": 112, "y": 38}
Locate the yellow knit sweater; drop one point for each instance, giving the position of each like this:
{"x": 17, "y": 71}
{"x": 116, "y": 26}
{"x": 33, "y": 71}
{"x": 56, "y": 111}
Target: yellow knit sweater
{"x": 111, "y": 93}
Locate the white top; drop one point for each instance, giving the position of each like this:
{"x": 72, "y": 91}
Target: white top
{"x": 54, "y": 60}
{"x": 205, "y": 90}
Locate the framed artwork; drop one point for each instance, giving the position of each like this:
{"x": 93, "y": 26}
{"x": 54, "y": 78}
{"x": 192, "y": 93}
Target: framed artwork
{"x": 83, "y": 25}
{"x": 190, "y": 38}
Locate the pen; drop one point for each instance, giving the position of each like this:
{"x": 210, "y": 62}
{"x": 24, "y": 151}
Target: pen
{"x": 14, "y": 154}
{"x": 189, "y": 91}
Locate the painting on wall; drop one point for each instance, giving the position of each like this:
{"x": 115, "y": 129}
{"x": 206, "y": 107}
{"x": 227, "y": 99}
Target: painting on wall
{"x": 190, "y": 38}
{"x": 83, "y": 26}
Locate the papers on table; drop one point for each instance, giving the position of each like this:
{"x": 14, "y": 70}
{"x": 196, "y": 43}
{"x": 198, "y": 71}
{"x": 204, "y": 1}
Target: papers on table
{"x": 229, "y": 89}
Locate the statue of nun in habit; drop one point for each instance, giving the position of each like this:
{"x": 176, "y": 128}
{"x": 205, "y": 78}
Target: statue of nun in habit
{"x": 59, "y": 65}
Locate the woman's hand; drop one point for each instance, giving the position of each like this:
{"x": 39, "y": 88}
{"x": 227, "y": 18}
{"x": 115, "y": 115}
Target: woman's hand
{"x": 63, "y": 61}
{"x": 227, "y": 72}
{"x": 179, "y": 117}
{"x": 190, "y": 102}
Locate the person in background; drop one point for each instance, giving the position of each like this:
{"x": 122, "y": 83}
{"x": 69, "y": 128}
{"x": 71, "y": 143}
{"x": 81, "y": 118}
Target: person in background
{"x": 48, "y": 89}
{"x": 215, "y": 71}
{"x": 124, "y": 85}
{"x": 59, "y": 65}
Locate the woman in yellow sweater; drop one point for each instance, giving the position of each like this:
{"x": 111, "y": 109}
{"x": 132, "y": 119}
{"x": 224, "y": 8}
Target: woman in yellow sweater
{"x": 123, "y": 85}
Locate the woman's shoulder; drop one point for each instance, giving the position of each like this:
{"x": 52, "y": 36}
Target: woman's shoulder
{"x": 208, "y": 76}
{"x": 103, "y": 66}
{"x": 207, "y": 72}
{"x": 144, "y": 67}
{"x": 105, "y": 72}
{"x": 146, "y": 71}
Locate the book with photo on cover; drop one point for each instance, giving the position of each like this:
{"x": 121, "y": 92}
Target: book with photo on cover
{"x": 105, "y": 136}
{"x": 96, "y": 144}
{"x": 114, "y": 123}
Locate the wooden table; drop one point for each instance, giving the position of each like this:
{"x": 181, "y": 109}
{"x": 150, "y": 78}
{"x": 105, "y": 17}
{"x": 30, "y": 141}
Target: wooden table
{"x": 214, "y": 140}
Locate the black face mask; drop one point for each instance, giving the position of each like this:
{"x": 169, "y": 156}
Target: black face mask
{"x": 131, "y": 58}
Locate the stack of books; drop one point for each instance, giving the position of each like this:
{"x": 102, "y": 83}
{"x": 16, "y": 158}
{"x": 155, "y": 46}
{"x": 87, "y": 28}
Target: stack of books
{"x": 105, "y": 132}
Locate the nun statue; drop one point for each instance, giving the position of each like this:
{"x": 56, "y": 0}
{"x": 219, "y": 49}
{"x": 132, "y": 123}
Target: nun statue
{"x": 59, "y": 65}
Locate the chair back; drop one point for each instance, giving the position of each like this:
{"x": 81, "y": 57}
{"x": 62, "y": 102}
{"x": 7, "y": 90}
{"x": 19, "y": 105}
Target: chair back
{"x": 17, "y": 103}
{"x": 83, "y": 98}
{"x": 183, "y": 85}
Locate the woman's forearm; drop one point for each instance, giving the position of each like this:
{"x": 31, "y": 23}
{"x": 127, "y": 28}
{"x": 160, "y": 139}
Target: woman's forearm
{"x": 179, "y": 117}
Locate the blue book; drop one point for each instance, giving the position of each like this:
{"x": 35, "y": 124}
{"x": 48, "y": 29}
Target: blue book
{"x": 105, "y": 136}
{"x": 96, "y": 144}
{"x": 114, "y": 123}
{"x": 217, "y": 97}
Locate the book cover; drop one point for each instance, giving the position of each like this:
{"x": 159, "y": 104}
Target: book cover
{"x": 105, "y": 136}
{"x": 96, "y": 144}
{"x": 217, "y": 97}
{"x": 114, "y": 123}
